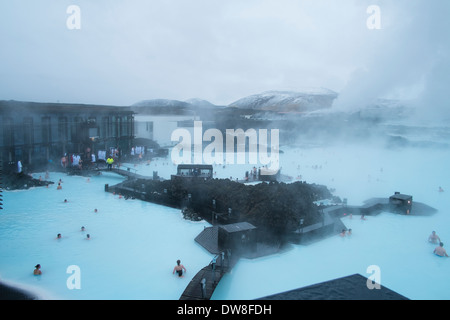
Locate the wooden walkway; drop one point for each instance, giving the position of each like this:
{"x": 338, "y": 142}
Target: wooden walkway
{"x": 202, "y": 286}
{"x": 126, "y": 173}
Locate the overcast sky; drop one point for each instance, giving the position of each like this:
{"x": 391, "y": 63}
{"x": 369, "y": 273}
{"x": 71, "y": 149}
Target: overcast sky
{"x": 221, "y": 51}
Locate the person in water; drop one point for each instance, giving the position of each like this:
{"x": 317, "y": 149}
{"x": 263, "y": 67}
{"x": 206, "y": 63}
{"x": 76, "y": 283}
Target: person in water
{"x": 440, "y": 251}
{"x": 37, "y": 271}
{"x": 179, "y": 269}
{"x": 434, "y": 238}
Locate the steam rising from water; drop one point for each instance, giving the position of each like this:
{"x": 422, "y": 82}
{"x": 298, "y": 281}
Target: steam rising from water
{"x": 409, "y": 58}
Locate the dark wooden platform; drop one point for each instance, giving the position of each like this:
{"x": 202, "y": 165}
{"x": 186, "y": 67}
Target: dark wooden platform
{"x": 126, "y": 173}
{"x": 210, "y": 277}
{"x": 208, "y": 239}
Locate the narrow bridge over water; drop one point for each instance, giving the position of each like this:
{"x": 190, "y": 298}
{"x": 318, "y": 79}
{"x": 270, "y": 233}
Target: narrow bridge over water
{"x": 128, "y": 172}
{"x": 202, "y": 286}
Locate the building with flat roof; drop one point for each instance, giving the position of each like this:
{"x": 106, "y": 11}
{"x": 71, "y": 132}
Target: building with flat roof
{"x": 204, "y": 171}
{"x": 38, "y": 133}
{"x": 238, "y": 237}
{"x": 401, "y": 203}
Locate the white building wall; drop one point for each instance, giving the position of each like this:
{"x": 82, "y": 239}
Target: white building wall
{"x": 161, "y": 128}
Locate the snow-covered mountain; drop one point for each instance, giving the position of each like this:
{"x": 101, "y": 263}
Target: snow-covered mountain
{"x": 196, "y": 102}
{"x": 288, "y": 101}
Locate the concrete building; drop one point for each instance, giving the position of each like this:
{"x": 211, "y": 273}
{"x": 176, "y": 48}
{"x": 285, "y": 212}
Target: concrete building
{"x": 159, "y": 127}
{"x": 40, "y": 133}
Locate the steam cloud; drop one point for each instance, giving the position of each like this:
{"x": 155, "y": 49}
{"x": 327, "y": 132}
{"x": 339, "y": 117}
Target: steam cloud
{"x": 409, "y": 59}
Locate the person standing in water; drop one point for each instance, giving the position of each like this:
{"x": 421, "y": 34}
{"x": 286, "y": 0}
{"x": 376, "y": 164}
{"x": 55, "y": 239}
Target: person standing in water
{"x": 440, "y": 251}
{"x": 37, "y": 271}
{"x": 179, "y": 269}
{"x": 434, "y": 238}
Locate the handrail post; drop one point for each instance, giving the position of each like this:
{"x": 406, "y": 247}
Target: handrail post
{"x": 203, "y": 288}
{"x": 213, "y": 265}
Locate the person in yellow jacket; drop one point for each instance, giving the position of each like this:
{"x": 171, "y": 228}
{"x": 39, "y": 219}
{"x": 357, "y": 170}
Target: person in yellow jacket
{"x": 110, "y": 162}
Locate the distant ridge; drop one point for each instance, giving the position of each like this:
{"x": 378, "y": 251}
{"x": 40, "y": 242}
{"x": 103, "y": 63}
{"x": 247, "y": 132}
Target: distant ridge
{"x": 308, "y": 99}
{"x": 158, "y": 103}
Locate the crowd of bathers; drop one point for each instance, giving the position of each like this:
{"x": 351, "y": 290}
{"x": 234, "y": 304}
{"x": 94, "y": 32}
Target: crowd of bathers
{"x": 179, "y": 269}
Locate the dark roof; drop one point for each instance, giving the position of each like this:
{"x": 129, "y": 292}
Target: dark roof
{"x": 22, "y": 106}
{"x": 401, "y": 196}
{"x": 10, "y": 293}
{"x": 238, "y": 227}
{"x": 195, "y": 166}
{"x": 353, "y": 287}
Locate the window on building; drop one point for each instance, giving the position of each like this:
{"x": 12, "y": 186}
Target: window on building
{"x": 63, "y": 129}
{"x": 8, "y": 131}
{"x": 46, "y": 130}
{"x": 106, "y": 127}
{"x": 114, "y": 127}
{"x": 28, "y": 131}
{"x": 93, "y": 133}
{"x": 76, "y": 129}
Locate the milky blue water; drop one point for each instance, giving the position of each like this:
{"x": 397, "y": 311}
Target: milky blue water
{"x": 133, "y": 247}
{"x": 134, "y": 244}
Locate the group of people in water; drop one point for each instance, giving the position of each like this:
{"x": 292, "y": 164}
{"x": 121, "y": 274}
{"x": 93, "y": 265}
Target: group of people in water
{"x": 179, "y": 269}
{"x": 433, "y": 238}
{"x": 345, "y": 232}
{"x": 439, "y": 250}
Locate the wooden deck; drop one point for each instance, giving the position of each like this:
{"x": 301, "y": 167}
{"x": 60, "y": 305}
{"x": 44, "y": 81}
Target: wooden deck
{"x": 126, "y": 173}
{"x": 202, "y": 286}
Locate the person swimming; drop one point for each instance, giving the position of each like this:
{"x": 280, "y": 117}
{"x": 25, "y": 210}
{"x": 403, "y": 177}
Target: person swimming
{"x": 37, "y": 271}
{"x": 179, "y": 269}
